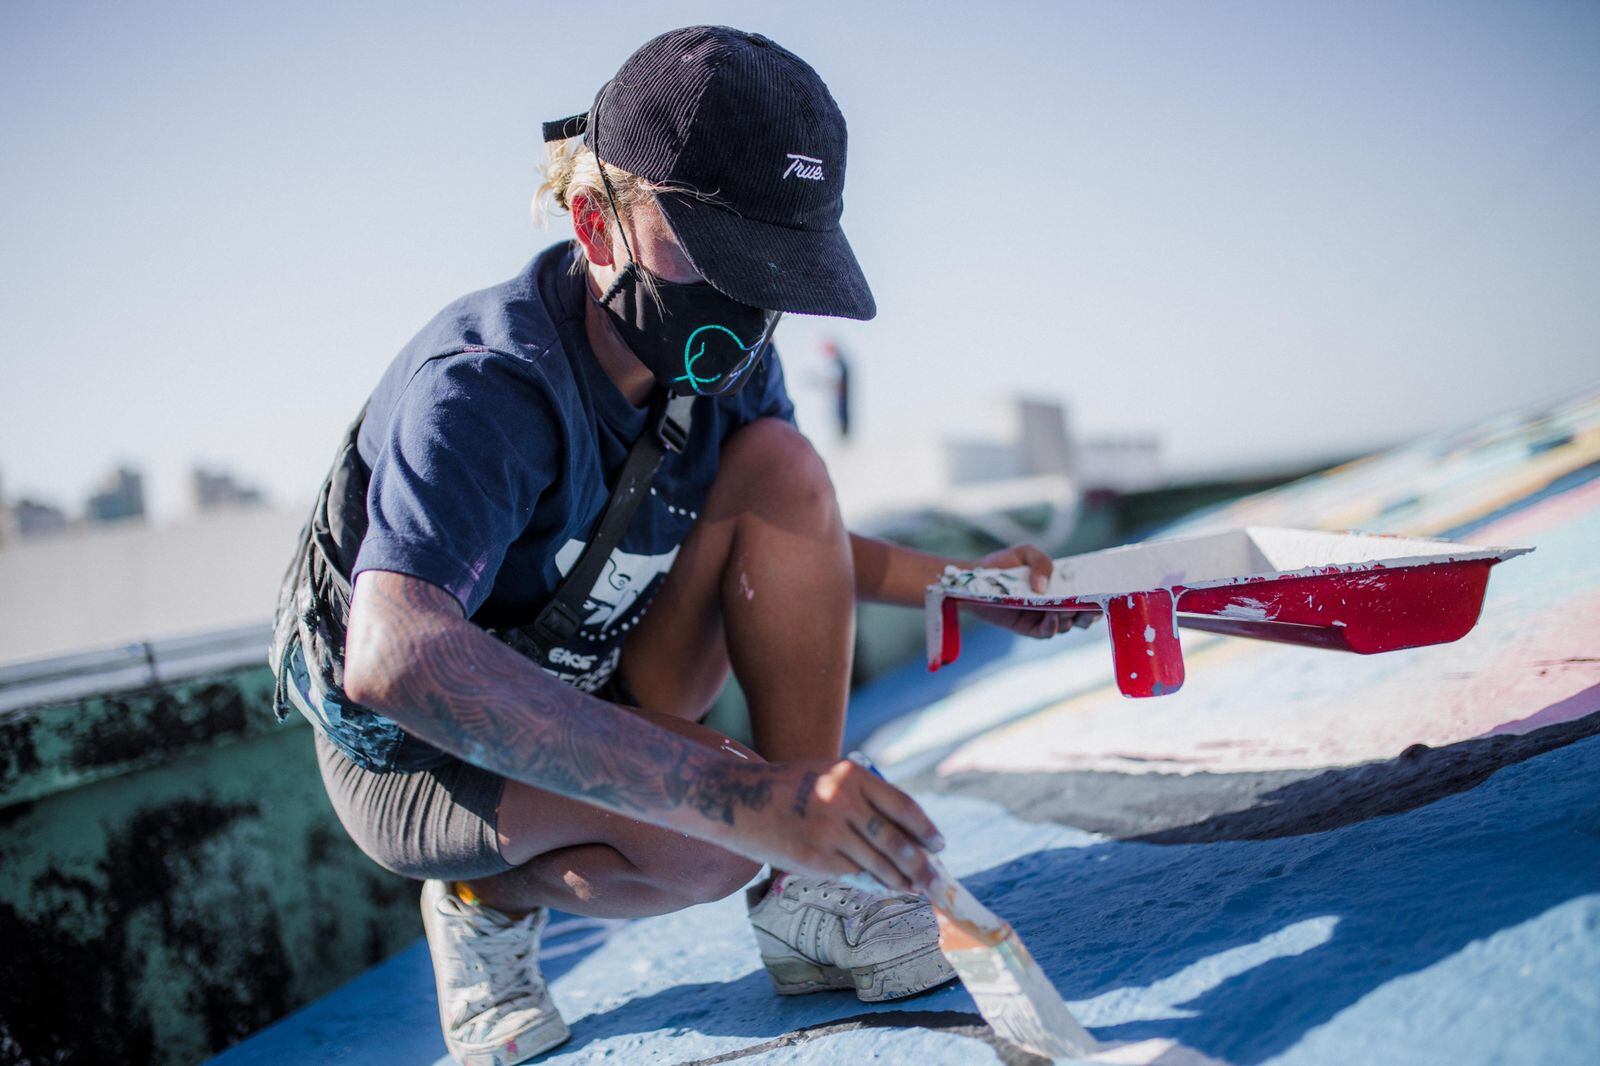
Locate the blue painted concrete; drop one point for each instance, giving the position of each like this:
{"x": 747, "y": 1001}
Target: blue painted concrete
{"x": 1463, "y": 931}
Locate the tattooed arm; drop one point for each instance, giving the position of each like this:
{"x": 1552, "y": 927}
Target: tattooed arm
{"x": 411, "y": 654}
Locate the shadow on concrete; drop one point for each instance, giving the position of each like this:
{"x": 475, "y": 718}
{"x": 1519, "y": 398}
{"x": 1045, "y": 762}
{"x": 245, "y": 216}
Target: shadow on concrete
{"x": 1345, "y": 796}
{"x": 1204, "y": 807}
{"x": 1407, "y": 891}
{"x": 747, "y": 1007}
{"x": 910, "y": 687}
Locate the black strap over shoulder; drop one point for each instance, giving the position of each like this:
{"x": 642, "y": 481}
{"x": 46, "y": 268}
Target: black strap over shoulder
{"x": 315, "y": 598}
{"x": 668, "y": 431}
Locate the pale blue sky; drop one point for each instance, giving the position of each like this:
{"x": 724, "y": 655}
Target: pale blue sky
{"x": 1259, "y": 229}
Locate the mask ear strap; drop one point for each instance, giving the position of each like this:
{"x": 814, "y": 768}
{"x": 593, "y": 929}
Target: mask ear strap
{"x": 628, "y": 274}
{"x": 629, "y": 271}
{"x": 611, "y": 201}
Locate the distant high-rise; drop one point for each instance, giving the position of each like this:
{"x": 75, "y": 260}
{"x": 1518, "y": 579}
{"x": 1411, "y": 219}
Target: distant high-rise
{"x": 121, "y": 497}
{"x": 217, "y": 488}
{"x": 26, "y": 518}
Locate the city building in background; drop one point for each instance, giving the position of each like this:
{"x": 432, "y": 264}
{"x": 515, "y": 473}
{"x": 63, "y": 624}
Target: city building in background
{"x": 121, "y": 497}
{"x": 29, "y": 518}
{"x": 214, "y": 489}
{"x": 120, "y": 500}
{"x": 1127, "y": 463}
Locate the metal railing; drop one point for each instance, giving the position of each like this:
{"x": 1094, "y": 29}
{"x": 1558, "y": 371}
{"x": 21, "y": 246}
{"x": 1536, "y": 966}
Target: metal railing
{"x": 130, "y": 666}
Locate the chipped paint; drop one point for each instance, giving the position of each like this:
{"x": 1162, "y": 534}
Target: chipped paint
{"x": 53, "y": 746}
{"x": 170, "y": 853}
{"x": 1428, "y": 592}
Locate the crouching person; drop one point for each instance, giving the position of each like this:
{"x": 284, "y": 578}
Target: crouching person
{"x": 497, "y": 713}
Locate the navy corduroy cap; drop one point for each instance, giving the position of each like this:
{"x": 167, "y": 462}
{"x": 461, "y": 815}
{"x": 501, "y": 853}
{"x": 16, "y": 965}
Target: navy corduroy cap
{"x": 752, "y": 135}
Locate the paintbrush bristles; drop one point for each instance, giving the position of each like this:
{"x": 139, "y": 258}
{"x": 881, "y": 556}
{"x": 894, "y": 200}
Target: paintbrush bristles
{"x": 1018, "y": 1000}
{"x": 1011, "y": 991}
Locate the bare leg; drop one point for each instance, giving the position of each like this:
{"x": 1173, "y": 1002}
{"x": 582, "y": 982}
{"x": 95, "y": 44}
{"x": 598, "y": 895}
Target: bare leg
{"x": 764, "y": 579}
{"x": 765, "y": 582}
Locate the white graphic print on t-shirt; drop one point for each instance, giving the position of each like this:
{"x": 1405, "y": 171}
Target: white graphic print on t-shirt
{"x": 612, "y": 606}
{"x": 624, "y": 579}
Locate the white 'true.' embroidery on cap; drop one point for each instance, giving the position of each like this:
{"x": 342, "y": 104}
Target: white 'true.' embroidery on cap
{"x": 803, "y": 166}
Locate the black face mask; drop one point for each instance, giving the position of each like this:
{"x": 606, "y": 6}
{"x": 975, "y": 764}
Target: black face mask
{"x": 692, "y": 337}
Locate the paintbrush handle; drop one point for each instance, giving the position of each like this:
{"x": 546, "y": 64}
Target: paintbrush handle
{"x": 945, "y": 892}
{"x": 951, "y": 896}
{"x": 1012, "y": 993}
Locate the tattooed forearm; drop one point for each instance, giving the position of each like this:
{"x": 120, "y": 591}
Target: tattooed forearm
{"x": 413, "y": 656}
{"x": 718, "y": 794}
{"x": 802, "y": 795}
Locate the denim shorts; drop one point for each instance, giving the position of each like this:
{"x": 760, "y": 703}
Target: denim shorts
{"x": 370, "y": 740}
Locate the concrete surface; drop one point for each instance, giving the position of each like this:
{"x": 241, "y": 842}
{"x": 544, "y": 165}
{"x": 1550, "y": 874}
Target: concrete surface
{"x": 1303, "y": 857}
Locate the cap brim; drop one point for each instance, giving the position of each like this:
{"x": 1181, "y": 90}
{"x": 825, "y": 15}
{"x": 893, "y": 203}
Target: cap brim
{"x": 802, "y": 272}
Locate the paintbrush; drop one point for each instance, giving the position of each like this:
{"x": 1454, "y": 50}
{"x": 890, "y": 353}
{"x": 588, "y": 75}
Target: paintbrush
{"x": 1011, "y": 991}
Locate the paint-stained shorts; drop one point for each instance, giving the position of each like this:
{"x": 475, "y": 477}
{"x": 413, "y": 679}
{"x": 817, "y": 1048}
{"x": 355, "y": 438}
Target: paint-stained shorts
{"x": 437, "y": 823}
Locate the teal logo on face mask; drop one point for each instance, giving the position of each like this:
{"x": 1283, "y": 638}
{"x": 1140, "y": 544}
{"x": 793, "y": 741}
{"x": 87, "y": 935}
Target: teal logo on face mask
{"x": 693, "y": 355}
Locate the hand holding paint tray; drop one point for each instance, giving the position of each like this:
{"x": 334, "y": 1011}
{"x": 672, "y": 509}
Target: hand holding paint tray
{"x": 1352, "y": 591}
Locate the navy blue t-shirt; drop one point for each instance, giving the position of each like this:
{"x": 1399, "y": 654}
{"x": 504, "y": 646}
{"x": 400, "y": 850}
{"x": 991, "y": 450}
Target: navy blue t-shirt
{"x": 494, "y": 439}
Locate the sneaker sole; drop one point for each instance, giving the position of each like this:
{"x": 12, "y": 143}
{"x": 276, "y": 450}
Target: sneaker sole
{"x": 525, "y": 1045}
{"x": 794, "y": 976}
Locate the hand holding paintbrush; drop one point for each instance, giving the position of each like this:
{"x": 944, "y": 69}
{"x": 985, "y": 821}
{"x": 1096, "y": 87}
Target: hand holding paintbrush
{"x": 1011, "y": 991}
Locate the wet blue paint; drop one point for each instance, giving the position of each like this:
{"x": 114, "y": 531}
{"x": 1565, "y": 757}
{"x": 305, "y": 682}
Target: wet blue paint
{"x": 1378, "y": 942}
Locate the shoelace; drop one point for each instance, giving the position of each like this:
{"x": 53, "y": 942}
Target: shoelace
{"x": 502, "y": 956}
{"x": 826, "y": 891}
{"x": 854, "y": 896}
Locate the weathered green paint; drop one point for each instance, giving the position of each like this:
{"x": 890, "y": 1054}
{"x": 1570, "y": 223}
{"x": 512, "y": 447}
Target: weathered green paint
{"x": 161, "y": 915}
{"x": 54, "y": 746}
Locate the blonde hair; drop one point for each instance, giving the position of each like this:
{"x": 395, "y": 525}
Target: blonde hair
{"x": 572, "y": 171}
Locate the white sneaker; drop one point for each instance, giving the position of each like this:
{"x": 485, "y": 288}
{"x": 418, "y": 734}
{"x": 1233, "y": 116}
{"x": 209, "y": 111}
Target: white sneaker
{"x": 815, "y": 934}
{"x": 493, "y": 1004}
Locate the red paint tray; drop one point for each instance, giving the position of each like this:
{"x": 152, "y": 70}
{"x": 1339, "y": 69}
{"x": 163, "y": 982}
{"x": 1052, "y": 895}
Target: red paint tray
{"x": 1359, "y": 592}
